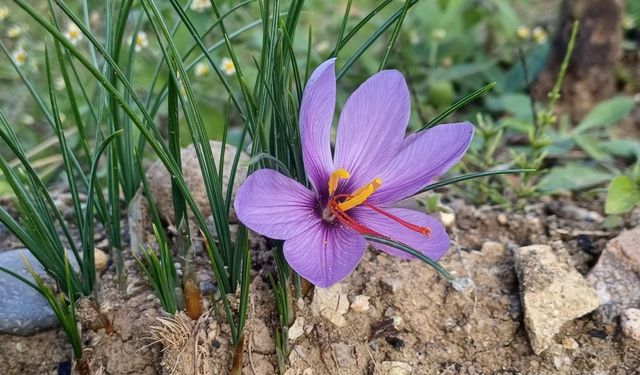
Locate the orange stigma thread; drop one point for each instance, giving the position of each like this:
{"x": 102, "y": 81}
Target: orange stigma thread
{"x": 340, "y": 203}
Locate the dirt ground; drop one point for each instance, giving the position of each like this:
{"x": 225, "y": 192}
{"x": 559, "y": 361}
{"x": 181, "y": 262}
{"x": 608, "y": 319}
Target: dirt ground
{"x": 415, "y": 322}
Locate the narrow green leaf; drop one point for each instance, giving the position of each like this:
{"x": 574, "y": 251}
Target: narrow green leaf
{"x": 457, "y": 105}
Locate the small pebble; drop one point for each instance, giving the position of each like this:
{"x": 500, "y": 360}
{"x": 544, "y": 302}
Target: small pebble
{"x": 492, "y": 248}
{"x": 360, "y": 303}
{"x": 396, "y": 342}
{"x": 297, "y": 329}
{"x": 101, "y": 260}
{"x": 393, "y": 285}
{"x": 630, "y": 322}
{"x": 447, "y": 219}
{"x": 570, "y": 343}
{"x": 502, "y": 219}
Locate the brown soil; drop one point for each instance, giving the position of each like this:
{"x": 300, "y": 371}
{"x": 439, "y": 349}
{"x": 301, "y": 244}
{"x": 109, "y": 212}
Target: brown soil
{"x": 415, "y": 316}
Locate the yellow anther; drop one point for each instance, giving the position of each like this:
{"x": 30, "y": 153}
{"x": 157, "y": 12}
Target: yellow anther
{"x": 360, "y": 195}
{"x": 336, "y": 176}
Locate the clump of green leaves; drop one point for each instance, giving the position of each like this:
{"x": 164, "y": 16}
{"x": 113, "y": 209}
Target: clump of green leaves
{"x": 623, "y": 194}
{"x": 161, "y": 272}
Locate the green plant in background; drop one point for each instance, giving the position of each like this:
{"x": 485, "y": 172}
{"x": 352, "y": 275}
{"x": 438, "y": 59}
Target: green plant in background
{"x": 260, "y": 54}
{"x": 623, "y": 193}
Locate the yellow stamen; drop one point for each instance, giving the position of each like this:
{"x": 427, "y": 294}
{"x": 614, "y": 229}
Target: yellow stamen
{"x": 360, "y": 195}
{"x": 337, "y": 175}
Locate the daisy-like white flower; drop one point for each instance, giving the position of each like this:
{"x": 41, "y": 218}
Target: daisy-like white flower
{"x": 227, "y": 66}
{"x": 59, "y": 83}
{"x": 4, "y": 12}
{"x": 73, "y": 33}
{"x": 14, "y": 31}
{"x": 439, "y": 34}
{"x": 200, "y": 5}
{"x": 352, "y": 191}
{"x": 414, "y": 37}
{"x": 19, "y": 56}
{"x": 523, "y": 33}
{"x": 322, "y": 46}
{"x": 141, "y": 41}
{"x": 201, "y": 69}
{"x": 539, "y": 35}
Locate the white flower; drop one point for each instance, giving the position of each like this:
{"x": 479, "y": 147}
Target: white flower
{"x": 628, "y": 22}
{"x": 414, "y": 38}
{"x": 59, "y": 83}
{"x": 200, "y": 5}
{"x": 322, "y": 46}
{"x": 523, "y": 32}
{"x": 227, "y": 66}
{"x": 4, "y": 12}
{"x": 439, "y": 34}
{"x": 94, "y": 17}
{"x": 73, "y": 33}
{"x": 201, "y": 69}
{"x": 141, "y": 41}
{"x": 28, "y": 119}
{"x": 14, "y": 31}
{"x": 19, "y": 56}
{"x": 539, "y": 35}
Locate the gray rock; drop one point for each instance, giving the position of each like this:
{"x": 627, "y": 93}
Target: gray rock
{"x": 552, "y": 293}
{"x": 23, "y": 311}
{"x": 616, "y": 276}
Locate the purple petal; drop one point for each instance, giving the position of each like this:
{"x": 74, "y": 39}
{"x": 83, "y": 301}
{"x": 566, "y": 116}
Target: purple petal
{"x": 275, "y": 205}
{"x": 435, "y": 245}
{"x": 372, "y": 126}
{"x": 316, "y": 116}
{"x": 324, "y": 254}
{"x": 422, "y": 157}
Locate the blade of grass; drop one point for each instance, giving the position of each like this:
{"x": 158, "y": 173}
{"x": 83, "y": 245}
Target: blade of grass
{"x": 394, "y": 36}
{"x": 470, "y": 176}
{"x": 457, "y": 105}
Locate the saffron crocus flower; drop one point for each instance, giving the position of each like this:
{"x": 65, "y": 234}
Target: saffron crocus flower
{"x": 352, "y": 191}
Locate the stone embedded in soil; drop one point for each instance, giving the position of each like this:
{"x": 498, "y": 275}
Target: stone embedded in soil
{"x": 616, "y": 276}
{"x": 552, "y": 292}
{"x": 160, "y": 185}
{"x": 395, "y": 368}
{"x": 492, "y": 248}
{"x": 630, "y": 322}
{"x": 447, "y": 219}
{"x": 360, "y": 303}
{"x": 344, "y": 354}
{"x": 297, "y": 329}
{"x": 331, "y": 304}
{"x": 570, "y": 343}
{"x": 262, "y": 337}
{"x": 101, "y": 259}
{"x": 23, "y": 311}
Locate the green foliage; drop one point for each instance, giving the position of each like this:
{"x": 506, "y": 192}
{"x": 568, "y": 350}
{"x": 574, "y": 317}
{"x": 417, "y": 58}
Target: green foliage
{"x": 572, "y": 177}
{"x": 161, "y": 272}
{"x": 623, "y": 194}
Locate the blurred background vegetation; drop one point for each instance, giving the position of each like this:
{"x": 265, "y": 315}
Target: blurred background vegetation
{"x": 446, "y": 49}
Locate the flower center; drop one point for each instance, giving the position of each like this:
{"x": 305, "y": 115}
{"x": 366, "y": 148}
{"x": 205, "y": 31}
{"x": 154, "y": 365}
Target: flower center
{"x": 339, "y": 204}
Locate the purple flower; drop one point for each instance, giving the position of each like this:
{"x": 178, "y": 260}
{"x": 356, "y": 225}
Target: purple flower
{"x": 373, "y": 167}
